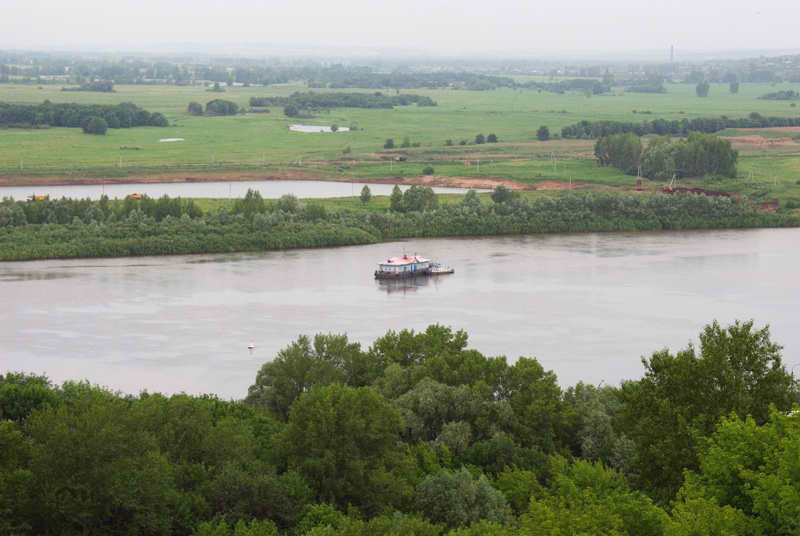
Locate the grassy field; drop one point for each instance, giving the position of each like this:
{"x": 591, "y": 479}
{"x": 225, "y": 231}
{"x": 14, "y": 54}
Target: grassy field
{"x": 262, "y": 143}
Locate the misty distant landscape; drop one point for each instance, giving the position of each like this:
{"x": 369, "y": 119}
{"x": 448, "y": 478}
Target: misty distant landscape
{"x": 352, "y": 269}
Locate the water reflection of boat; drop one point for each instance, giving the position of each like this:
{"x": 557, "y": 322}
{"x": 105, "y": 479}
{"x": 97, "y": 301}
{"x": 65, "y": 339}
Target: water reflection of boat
{"x": 407, "y": 284}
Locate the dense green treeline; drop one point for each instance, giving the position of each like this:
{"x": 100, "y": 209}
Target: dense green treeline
{"x": 342, "y": 100}
{"x": 80, "y": 228}
{"x": 123, "y": 115}
{"x": 706, "y": 125}
{"x": 417, "y": 434}
{"x": 697, "y": 155}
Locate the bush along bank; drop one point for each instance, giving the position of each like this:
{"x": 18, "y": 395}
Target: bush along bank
{"x": 106, "y": 230}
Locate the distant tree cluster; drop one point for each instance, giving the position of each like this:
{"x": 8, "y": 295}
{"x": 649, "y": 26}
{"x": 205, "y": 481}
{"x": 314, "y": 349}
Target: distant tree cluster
{"x": 583, "y": 85}
{"x": 105, "y": 86}
{"x": 414, "y": 199}
{"x": 647, "y": 88}
{"x": 789, "y": 94}
{"x": 696, "y": 156}
{"x": 124, "y": 115}
{"x": 706, "y": 125}
{"x": 221, "y": 107}
{"x": 313, "y": 100}
{"x": 702, "y": 89}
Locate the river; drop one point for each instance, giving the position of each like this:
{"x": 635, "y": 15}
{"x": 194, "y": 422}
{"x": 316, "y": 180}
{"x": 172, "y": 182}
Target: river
{"x": 269, "y": 189}
{"x": 586, "y": 305}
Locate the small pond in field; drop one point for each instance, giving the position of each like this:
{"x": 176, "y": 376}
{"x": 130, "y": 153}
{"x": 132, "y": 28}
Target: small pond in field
{"x": 315, "y": 128}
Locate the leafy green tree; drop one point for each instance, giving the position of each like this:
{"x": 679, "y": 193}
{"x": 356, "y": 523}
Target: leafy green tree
{"x": 240, "y": 528}
{"x": 290, "y": 110}
{"x": 744, "y": 476}
{"x": 705, "y": 154}
{"x": 586, "y": 498}
{"x": 519, "y": 486}
{"x": 334, "y": 128}
{"x": 471, "y": 199}
{"x": 94, "y": 125}
{"x": 15, "y": 481}
{"x": 344, "y": 441}
{"x": 419, "y": 199}
{"x": 158, "y": 120}
{"x": 221, "y": 107}
{"x": 389, "y": 144}
{"x": 252, "y": 203}
{"x": 366, "y": 194}
{"x": 491, "y": 138}
{"x": 396, "y": 200}
{"x": 427, "y": 170}
{"x": 405, "y": 143}
{"x": 304, "y": 365}
{"x": 457, "y": 499}
{"x": 480, "y": 139}
{"x": 95, "y": 467}
{"x": 289, "y": 203}
{"x": 738, "y": 369}
{"x": 658, "y": 160}
{"x": 734, "y": 87}
{"x": 501, "y": 194}
{"x": 623, "y": 151}
{"x": 195, "y": 108}
{"x": 543, "y": 133}
{"x": 702, "y": 88}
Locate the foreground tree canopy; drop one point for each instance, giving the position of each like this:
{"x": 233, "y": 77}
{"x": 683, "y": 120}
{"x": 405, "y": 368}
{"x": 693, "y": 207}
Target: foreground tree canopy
{"x": 417, "y": 434}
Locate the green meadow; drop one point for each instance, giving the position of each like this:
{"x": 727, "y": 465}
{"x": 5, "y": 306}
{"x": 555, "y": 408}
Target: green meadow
{"x": 263, "y": 143}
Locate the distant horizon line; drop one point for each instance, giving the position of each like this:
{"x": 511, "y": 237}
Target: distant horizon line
{"x": 250, "y": 49}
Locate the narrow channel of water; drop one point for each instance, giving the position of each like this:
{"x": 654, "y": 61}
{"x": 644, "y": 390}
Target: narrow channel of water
{"x": 268, "y": 189}
{"x": 586, "y": 305}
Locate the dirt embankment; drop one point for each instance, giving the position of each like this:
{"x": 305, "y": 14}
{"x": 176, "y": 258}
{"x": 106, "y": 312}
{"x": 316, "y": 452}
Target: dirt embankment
{"x": 232, "y": 176}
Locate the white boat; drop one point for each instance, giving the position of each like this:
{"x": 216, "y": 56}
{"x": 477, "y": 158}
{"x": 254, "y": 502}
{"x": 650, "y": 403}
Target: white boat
{"x": 439, "y": 269}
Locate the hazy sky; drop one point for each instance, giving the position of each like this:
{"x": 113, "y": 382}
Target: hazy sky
{"x": 445, "y": 24}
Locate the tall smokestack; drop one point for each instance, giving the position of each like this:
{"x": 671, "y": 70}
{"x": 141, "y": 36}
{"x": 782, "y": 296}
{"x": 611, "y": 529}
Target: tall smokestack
{"x": 671, "y": 52}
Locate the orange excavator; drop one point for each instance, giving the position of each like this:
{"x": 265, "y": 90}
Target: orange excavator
{"x": 668, "y": 187}
{"x": 133, "y": 196}
{"x": 37, "y": 198}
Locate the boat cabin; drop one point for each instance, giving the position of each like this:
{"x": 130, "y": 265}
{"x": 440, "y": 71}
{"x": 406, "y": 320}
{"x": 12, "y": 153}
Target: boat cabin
{"x": 403, "y": 266}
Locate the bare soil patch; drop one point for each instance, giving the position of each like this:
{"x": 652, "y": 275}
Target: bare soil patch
{"x": 760, "y": 141}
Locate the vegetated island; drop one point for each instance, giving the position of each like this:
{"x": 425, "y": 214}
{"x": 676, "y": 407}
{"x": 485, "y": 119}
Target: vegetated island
{"x": 67, "y": 228}
{"x": 418, "y": 434}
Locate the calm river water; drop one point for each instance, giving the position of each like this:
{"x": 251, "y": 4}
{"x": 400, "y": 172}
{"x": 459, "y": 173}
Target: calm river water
{"x": 587, "y": 306}
{"x": 268, "y": 189}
